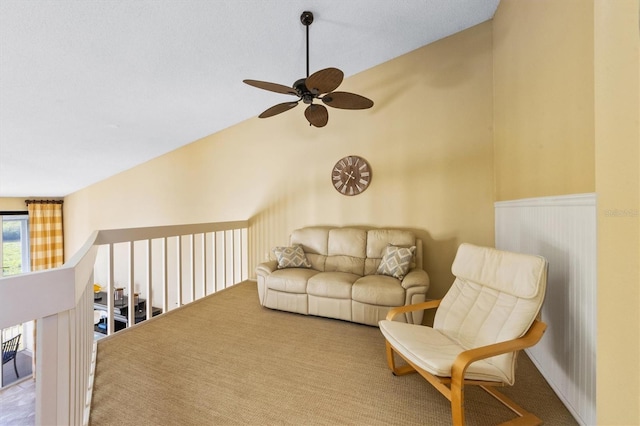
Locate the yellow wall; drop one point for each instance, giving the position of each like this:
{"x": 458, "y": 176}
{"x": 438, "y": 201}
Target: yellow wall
{"x": 428, "y": 140}
{"x": 9, "y": 204}
{"x": 617, "y": 145}
{"x": 566, "y": 121}
{"x": 543, "y": 85}
{"x": 561, "y": 78}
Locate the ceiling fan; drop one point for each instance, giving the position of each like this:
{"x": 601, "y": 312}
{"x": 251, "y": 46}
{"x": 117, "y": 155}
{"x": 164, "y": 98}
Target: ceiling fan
{"x": 319, "y": 85}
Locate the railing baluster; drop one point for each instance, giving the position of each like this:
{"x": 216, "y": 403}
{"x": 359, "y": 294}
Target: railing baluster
{"x": 47, "y": 368}
{"x": 149, "y": 281}
{"x": 179, "y": 269}
{"x": 109, "y": 294}
{"x": 245, "y": 254}
{"x": 234, "y": 257}
{"x": 215, "y": 261}
{"x": 228, "y": 258}
{"x": 203, "y": 259}
{"x": 193, "y": 267}
{"x": 165, "y": 283}
{"x": 225, "y": 256}
{"x": 131, "y": 315}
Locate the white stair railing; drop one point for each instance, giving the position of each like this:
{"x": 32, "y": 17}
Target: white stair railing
{"x": 194, "y": 260}
{"x": 62, "y": 303}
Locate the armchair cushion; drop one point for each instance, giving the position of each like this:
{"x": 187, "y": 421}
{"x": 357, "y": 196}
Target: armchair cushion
{"x": 495, "y": 297}
{"x": 434, "y": 352}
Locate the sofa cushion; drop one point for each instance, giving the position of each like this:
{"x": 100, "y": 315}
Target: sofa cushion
{"x": 292, "y": 280}
{"x": 313, "y": 239}
{"x": 396, "y": 261}
{"x": 291, "y": 257}
{"x": 336, "y": 285}
{"x": 347, "y": 242}
{"x": 346, "y": 250}
{"x": 378, "y": 290}
{"x": 379, "y": 239}
{"x": 352, "y": 265}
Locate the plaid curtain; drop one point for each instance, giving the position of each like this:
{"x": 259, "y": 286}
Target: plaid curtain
{"x": 45, "y": 234}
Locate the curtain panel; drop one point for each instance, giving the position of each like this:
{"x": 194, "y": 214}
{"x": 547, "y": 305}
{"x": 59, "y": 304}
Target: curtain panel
{"x": 45, "y": 234}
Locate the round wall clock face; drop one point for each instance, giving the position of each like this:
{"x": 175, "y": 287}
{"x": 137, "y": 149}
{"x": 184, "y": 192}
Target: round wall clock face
{"x": 351, "y": 175}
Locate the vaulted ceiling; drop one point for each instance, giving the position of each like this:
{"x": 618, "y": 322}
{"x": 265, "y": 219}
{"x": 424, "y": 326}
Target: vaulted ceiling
{"x": 91, "y": 88}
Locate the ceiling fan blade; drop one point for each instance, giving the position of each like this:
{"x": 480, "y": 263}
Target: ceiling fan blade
{"x": 317, "y": 115}
{"x": 324, "y": 81}
{"x": 273, "y": 87}
{"x": 277, "y": 109}
{"x": 346, "y": 100}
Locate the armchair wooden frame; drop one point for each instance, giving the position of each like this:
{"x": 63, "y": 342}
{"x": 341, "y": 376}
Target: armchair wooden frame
{"x": 453, "y": 387}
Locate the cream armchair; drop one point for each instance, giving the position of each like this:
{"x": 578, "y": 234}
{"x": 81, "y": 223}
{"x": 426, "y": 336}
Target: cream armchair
{"x": 487, "y": 316}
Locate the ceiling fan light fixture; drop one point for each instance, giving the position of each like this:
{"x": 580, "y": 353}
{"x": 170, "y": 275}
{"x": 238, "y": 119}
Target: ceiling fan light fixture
{"x": 314, "y": 86}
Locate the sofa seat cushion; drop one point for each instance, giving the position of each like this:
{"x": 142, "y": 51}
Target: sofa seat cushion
{"x": 336, "y": 285}
{"x": 292, "y": 280}
{"x": 379, "y": 290}
{"x": 434, "y": 352}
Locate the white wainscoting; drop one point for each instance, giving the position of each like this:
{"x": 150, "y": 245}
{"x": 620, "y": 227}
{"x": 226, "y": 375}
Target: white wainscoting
{"x": 563, "y": 230}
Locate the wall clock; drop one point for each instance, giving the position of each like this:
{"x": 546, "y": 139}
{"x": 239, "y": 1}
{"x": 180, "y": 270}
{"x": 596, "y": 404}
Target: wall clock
{"x": 351, "y": 175}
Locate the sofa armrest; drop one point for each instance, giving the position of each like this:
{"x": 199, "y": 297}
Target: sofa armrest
{"x": 266, "y": 268}
{"x": 263, "y": 270}
{"x": 416, "y": 277}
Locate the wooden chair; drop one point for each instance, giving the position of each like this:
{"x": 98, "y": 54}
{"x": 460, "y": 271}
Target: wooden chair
{"x": 487, "y": 316}
{"x": 10, "y": 351}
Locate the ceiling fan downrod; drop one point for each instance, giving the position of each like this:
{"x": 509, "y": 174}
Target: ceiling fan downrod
{"x": 307, "y": 19}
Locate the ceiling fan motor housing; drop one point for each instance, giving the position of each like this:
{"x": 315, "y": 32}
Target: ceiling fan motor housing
{"x": 303, "y": 91}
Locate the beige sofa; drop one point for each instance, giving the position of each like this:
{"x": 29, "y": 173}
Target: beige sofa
{"x": 350, "y": 274}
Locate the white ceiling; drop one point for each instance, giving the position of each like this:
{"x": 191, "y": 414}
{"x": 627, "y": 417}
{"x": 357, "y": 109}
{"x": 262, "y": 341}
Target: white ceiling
{"x": 89, "y": 88}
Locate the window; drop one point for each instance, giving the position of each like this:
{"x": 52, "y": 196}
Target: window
{"x": 14, "y": 253}
{"x": 14, "y": 247}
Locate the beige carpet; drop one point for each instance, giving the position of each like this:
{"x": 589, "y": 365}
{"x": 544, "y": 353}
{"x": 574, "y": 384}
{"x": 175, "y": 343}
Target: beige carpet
{"x": 226, "y": 360}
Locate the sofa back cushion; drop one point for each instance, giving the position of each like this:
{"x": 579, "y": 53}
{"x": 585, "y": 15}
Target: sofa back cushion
{"x": 379, "y": 239}
{"x": 346, "y": 250}
{"x": 314, "y": 242}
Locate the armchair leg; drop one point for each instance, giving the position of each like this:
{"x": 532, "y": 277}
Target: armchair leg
{"x": 397, "y": 371}
{"x": 457, "y": 405}
{"x": 15, "y": 367}
{"x": 525, "y": 417}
